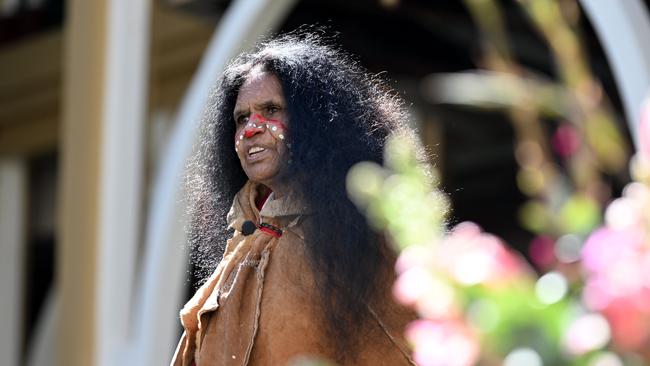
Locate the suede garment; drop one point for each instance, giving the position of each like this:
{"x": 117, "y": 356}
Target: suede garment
{"x": 258, "y": 307}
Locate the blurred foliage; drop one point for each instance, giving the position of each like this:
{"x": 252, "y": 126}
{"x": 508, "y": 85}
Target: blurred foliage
{"x": 480, "y": 303}
{"x": 489, "y": 289}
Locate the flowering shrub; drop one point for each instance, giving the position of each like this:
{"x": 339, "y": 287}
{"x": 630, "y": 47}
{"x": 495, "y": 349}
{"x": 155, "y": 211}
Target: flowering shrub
{"x": 478, "y": 302}
{"x": 616, "y": 257}
{"x": 481, "y": 303}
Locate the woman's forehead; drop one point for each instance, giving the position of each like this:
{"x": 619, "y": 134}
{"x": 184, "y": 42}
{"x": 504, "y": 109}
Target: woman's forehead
{"x": 259, "y": 87}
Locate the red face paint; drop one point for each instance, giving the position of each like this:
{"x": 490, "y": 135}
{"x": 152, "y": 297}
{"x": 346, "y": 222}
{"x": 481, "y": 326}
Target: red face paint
{"x": 276, "y": 123}
{"x": 257, "y": 124}
{"x": 250, "y": 132}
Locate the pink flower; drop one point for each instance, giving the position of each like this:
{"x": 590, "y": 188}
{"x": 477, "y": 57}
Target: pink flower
{"x": 587, "y": 333}
{"x": 542, "y": 251}
{"x": 471, "y": 257}
{"x": 442, "y": 343}
{"x": 615, "y": 262}
{"x": 623, "y": 213}
{"x": 630, "y": 324}
{"x": 430, "y": 295}
{"x": 413, "y": 256}
{"x": 616, "y": 259}
{"x": 566, "y": 140}
{"x": 606, "y": 246}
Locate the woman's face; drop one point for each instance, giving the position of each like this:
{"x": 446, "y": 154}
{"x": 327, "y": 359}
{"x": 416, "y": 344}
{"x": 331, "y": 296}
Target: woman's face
{"x": 260, "y": 134}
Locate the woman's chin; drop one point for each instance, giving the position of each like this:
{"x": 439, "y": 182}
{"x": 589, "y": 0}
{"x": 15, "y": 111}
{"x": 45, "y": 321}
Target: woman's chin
{"x": 265, "y": 178}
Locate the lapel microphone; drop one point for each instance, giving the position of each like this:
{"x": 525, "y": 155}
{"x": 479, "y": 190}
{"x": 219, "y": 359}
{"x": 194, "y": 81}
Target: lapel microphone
{"x": 248, "y": 227}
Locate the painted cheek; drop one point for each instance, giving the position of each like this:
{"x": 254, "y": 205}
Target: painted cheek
{"x": 239, "y": 136}
{"x": 277, "y": 129}
{"x": 258, "y": 123}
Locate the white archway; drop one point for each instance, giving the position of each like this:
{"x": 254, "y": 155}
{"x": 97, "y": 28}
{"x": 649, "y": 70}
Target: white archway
{"x": 163, "y": 275}
{"x": 623, "y": 28}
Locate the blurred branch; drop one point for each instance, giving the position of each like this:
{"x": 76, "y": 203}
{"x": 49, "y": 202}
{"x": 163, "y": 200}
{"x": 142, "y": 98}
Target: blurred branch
{"x": 591, "y": 108}
{"x": 496, "y": 90}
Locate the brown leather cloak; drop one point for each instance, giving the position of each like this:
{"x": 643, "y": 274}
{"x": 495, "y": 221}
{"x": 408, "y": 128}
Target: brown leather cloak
{"x": 258, "y": 308}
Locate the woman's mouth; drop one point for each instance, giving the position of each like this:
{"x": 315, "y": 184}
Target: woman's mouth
{"x": 256, "y": 153}
{"x": 255, "y": 150}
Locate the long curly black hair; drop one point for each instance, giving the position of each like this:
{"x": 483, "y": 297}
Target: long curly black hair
{"x": 339, "y": 115}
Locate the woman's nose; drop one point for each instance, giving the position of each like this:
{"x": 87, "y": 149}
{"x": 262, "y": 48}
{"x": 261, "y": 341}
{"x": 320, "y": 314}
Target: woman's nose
{"x": 256, "y": 124}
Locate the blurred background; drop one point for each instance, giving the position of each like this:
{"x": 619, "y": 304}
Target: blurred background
{"x": 98, "y": 108}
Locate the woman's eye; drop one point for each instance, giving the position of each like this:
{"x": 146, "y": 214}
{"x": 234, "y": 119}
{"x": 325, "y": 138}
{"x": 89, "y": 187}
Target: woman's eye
{"x": 241, "y": 119}
{"x": 272, "y": 109}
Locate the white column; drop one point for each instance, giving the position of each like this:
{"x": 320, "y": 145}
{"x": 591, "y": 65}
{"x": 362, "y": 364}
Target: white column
{"x": 84, "y": 33}
{"x": 164, "y": 266}
{"x": 13, "y": 186}
{"x": 121, "y": 175}
{"x": 623, "y": 28}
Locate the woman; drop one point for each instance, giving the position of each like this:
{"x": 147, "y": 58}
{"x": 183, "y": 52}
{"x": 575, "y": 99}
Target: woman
{"x": 303, "y": 274}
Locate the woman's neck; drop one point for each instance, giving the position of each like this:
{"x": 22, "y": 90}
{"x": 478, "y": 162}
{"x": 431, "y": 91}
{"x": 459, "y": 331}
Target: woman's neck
{"x": 263, "y": 193}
